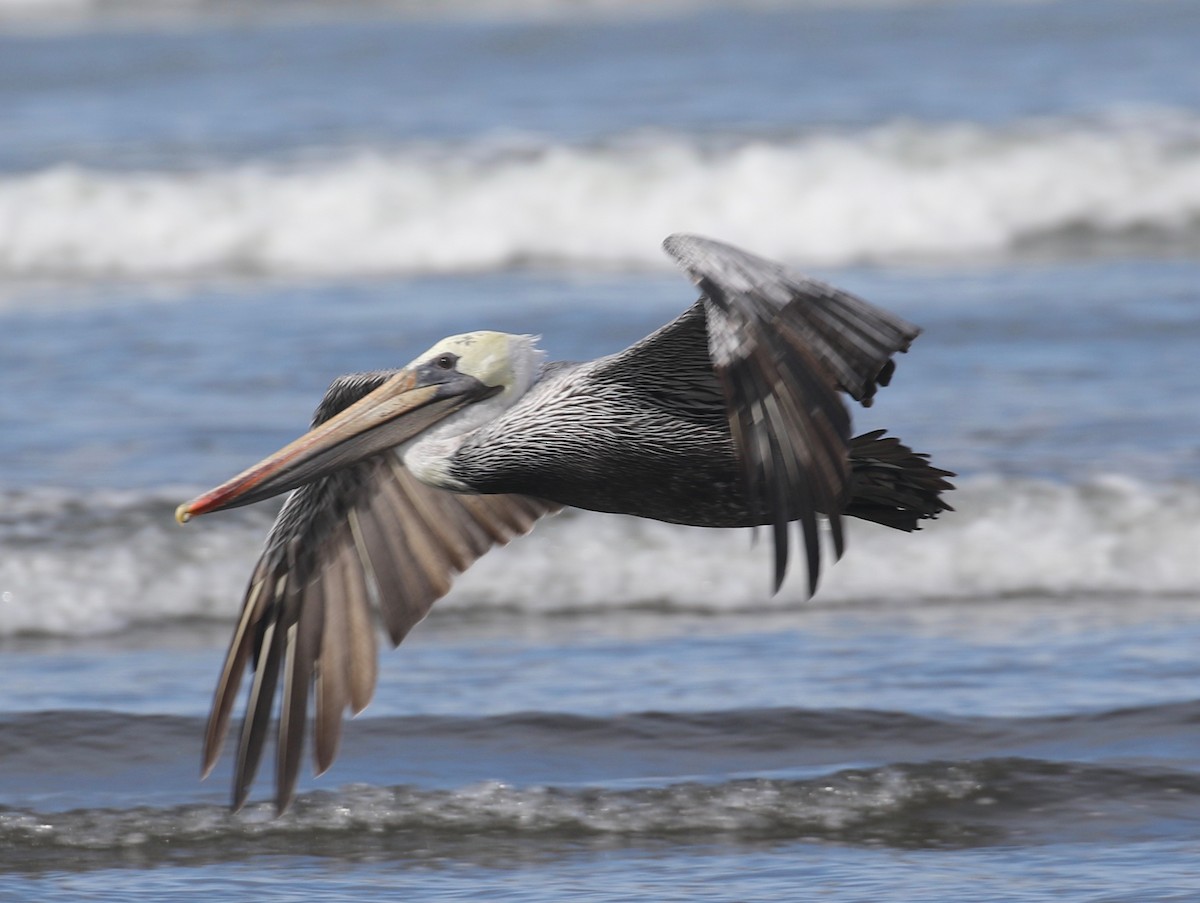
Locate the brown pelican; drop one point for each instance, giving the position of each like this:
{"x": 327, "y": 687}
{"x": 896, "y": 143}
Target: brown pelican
{"x": 729, "y": 416}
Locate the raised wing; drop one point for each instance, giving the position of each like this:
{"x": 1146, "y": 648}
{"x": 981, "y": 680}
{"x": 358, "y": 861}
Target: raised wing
{"x": 783, "y": 346}
{"x": 367, "y": 542}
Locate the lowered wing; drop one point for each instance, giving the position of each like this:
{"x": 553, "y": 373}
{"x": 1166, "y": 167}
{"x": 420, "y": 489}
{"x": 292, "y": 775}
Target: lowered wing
{"x": 367, "y": 543}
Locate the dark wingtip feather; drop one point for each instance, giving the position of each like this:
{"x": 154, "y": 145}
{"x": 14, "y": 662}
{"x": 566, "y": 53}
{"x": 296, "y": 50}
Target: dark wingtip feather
{"x": 258, "y": 715}
{"x": 303, "y": 643}
{"x": 779, "y": 531}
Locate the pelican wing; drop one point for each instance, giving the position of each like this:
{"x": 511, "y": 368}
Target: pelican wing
{"x": 782, "y": 347}
{"x": 367, "y": 539}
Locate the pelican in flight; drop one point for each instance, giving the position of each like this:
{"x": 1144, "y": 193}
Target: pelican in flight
{"x": 729, "y": 416}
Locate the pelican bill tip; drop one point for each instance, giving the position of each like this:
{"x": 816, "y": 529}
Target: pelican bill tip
{"x": 183, "y": 513}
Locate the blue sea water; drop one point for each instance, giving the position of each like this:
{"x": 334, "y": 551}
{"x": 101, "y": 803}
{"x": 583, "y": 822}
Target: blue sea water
{"x": 207, "y": 211}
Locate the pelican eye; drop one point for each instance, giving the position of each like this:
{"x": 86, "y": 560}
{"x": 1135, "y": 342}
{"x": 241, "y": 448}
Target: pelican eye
{"x": 445, "y": 361}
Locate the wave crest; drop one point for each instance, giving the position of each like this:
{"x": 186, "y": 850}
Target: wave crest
{"x": 79, "y": 567}
{"x": 958, "y": 804}
{"x": 903, "y": 190}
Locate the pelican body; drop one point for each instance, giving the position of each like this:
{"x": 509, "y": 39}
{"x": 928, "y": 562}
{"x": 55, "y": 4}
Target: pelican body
{"x": 732, "y": 415}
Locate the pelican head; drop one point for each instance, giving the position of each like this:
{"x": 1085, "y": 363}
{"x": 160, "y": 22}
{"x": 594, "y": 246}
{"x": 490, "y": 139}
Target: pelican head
{"x": 501, "y": 360}
{"x": 481, "y": 372}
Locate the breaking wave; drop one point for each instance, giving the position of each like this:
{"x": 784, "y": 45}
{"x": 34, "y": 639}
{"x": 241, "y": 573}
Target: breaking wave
{"x": 77, "y": 565}
{"x": 899, "y": 191}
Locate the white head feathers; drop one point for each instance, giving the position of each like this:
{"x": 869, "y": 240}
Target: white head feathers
{"x": 493, "y": 358}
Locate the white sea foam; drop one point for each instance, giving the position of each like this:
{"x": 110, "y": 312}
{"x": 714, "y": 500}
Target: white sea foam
{"x": 896, "y": 191}
{"x": 72, "y": 565}
{"x": 79, "y": 567}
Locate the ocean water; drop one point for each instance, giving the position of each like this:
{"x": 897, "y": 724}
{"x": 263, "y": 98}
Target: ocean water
{"x": 208, "y": 210}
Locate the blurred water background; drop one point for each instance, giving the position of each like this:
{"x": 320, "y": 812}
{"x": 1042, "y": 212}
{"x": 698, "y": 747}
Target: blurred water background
{"x": 209, "y": 209}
